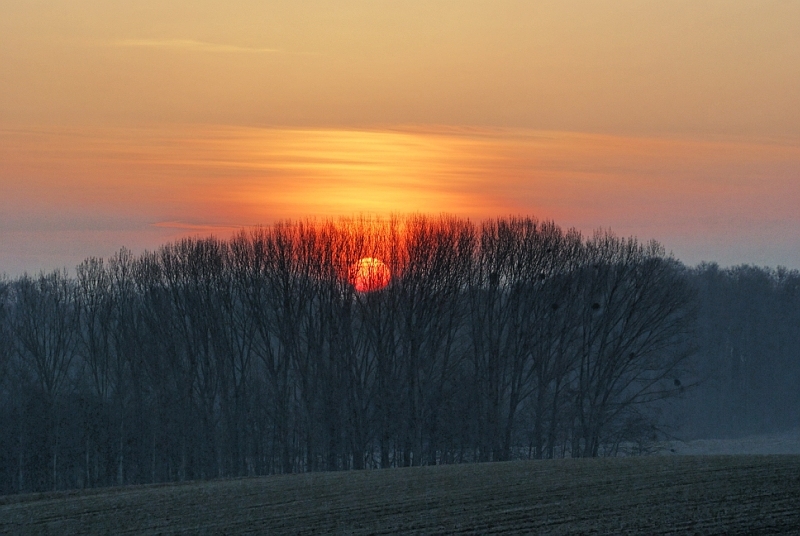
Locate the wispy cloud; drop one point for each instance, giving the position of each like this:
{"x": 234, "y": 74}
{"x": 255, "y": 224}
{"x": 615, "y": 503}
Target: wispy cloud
{"x": 189, "y": 45}
{"x": 725, "y": 201}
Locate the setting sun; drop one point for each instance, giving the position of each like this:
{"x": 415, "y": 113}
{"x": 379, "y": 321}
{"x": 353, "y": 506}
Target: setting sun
{"x": 370, "y": 274}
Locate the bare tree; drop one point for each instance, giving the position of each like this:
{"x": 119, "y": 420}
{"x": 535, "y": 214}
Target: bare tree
{"x": 45, "y": 331}
{"x": 432, "y": 274}
{"x": 553, "y": 336}
{"x": 5, "y": 335}
{"x": 509, "y": 309}
{"x": 267, "y": 353}
{"x": 636, "y": 321}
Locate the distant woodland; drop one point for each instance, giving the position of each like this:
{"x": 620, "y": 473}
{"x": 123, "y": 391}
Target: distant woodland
{"x": 510, "y": 338}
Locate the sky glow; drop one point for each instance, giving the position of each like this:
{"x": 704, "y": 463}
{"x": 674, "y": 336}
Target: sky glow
{"x": 135, "y": 124}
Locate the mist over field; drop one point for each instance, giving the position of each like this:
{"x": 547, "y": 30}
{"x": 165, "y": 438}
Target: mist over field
{"x": 370, "y": 343}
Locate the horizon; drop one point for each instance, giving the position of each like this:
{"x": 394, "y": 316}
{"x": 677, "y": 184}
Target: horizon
{"x": 210, "y": 232}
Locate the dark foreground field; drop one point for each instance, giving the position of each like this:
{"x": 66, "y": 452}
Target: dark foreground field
{"x": 686, "y": 495}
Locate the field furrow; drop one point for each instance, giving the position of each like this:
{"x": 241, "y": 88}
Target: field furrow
{"x": 654, "y": 495}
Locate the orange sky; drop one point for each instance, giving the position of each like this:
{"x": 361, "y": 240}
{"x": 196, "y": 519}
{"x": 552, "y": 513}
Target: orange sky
{"x": 132, "y": 123}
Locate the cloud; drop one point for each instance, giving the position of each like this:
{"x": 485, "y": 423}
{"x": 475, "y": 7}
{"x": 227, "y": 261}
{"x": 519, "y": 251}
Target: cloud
{"x": 189, "y": 45}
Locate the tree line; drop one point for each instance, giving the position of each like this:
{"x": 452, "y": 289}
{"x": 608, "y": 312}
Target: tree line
{"x": 748, "y": 352}
{"x": 256, "y": 355}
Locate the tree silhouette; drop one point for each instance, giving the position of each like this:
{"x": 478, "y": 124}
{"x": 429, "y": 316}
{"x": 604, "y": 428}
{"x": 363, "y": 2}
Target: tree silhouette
{"x": 261, "y": 354}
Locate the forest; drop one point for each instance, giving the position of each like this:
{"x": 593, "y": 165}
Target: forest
{"x": 503, "y": 339}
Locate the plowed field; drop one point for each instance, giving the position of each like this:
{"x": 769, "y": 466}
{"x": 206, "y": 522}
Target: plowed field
{"x": 652, "y": 495}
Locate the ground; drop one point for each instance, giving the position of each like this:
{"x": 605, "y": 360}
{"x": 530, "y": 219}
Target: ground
{"x": 653, "y": 495}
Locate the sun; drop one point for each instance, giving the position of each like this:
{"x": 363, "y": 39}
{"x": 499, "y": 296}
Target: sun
{"x": 370, "y": 274}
